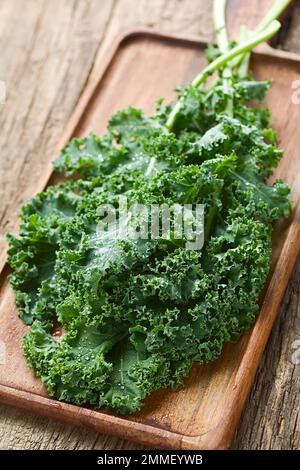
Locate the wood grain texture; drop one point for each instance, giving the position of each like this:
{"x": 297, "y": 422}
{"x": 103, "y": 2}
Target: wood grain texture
{"x": 45, "y": 72}
{"x": 48, "y": 51}
{"x": 271, "y": 417}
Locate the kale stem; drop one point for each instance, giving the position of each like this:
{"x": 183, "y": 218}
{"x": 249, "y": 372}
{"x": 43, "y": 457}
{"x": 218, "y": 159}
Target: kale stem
{"x": 223, "y": 60}
{"x": 219, "y": 18}
{"x": 245, "y": 60}
{"x": 278, "y": 7}
{"x": 274, "y": 13}
{"x": 219, "y": 9}
{"x": 150, "y": 166}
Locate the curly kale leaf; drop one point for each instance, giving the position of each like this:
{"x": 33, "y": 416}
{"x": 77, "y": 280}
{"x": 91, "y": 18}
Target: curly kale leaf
{"x": 135, "y": 314}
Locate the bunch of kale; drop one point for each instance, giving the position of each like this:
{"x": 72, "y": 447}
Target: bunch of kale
{"x": 136, "y": 314}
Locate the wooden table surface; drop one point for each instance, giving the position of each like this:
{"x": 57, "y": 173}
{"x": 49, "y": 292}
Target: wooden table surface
{"x": 50, "y": 49}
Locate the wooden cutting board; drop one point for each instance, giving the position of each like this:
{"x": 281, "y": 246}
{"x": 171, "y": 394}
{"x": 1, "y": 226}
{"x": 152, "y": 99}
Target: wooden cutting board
{"x": 142, "y": 66}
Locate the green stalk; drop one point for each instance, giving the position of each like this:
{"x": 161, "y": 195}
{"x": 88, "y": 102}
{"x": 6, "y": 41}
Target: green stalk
{"x": 221, "y": 61}
{"x": 219, "y": 14}
{"x": 219, "y": 18}
{"x": 274, "y": 13}
{"x": 245, "y": 60}
{"x": 247, "y": 46}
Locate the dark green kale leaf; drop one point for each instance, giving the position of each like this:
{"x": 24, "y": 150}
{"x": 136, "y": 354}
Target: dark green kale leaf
{"x": 136, "y": 313}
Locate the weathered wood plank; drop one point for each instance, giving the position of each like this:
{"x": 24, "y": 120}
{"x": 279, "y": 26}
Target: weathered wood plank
{"x": 49, "y": 50}
{"x": 271, "y": 417}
